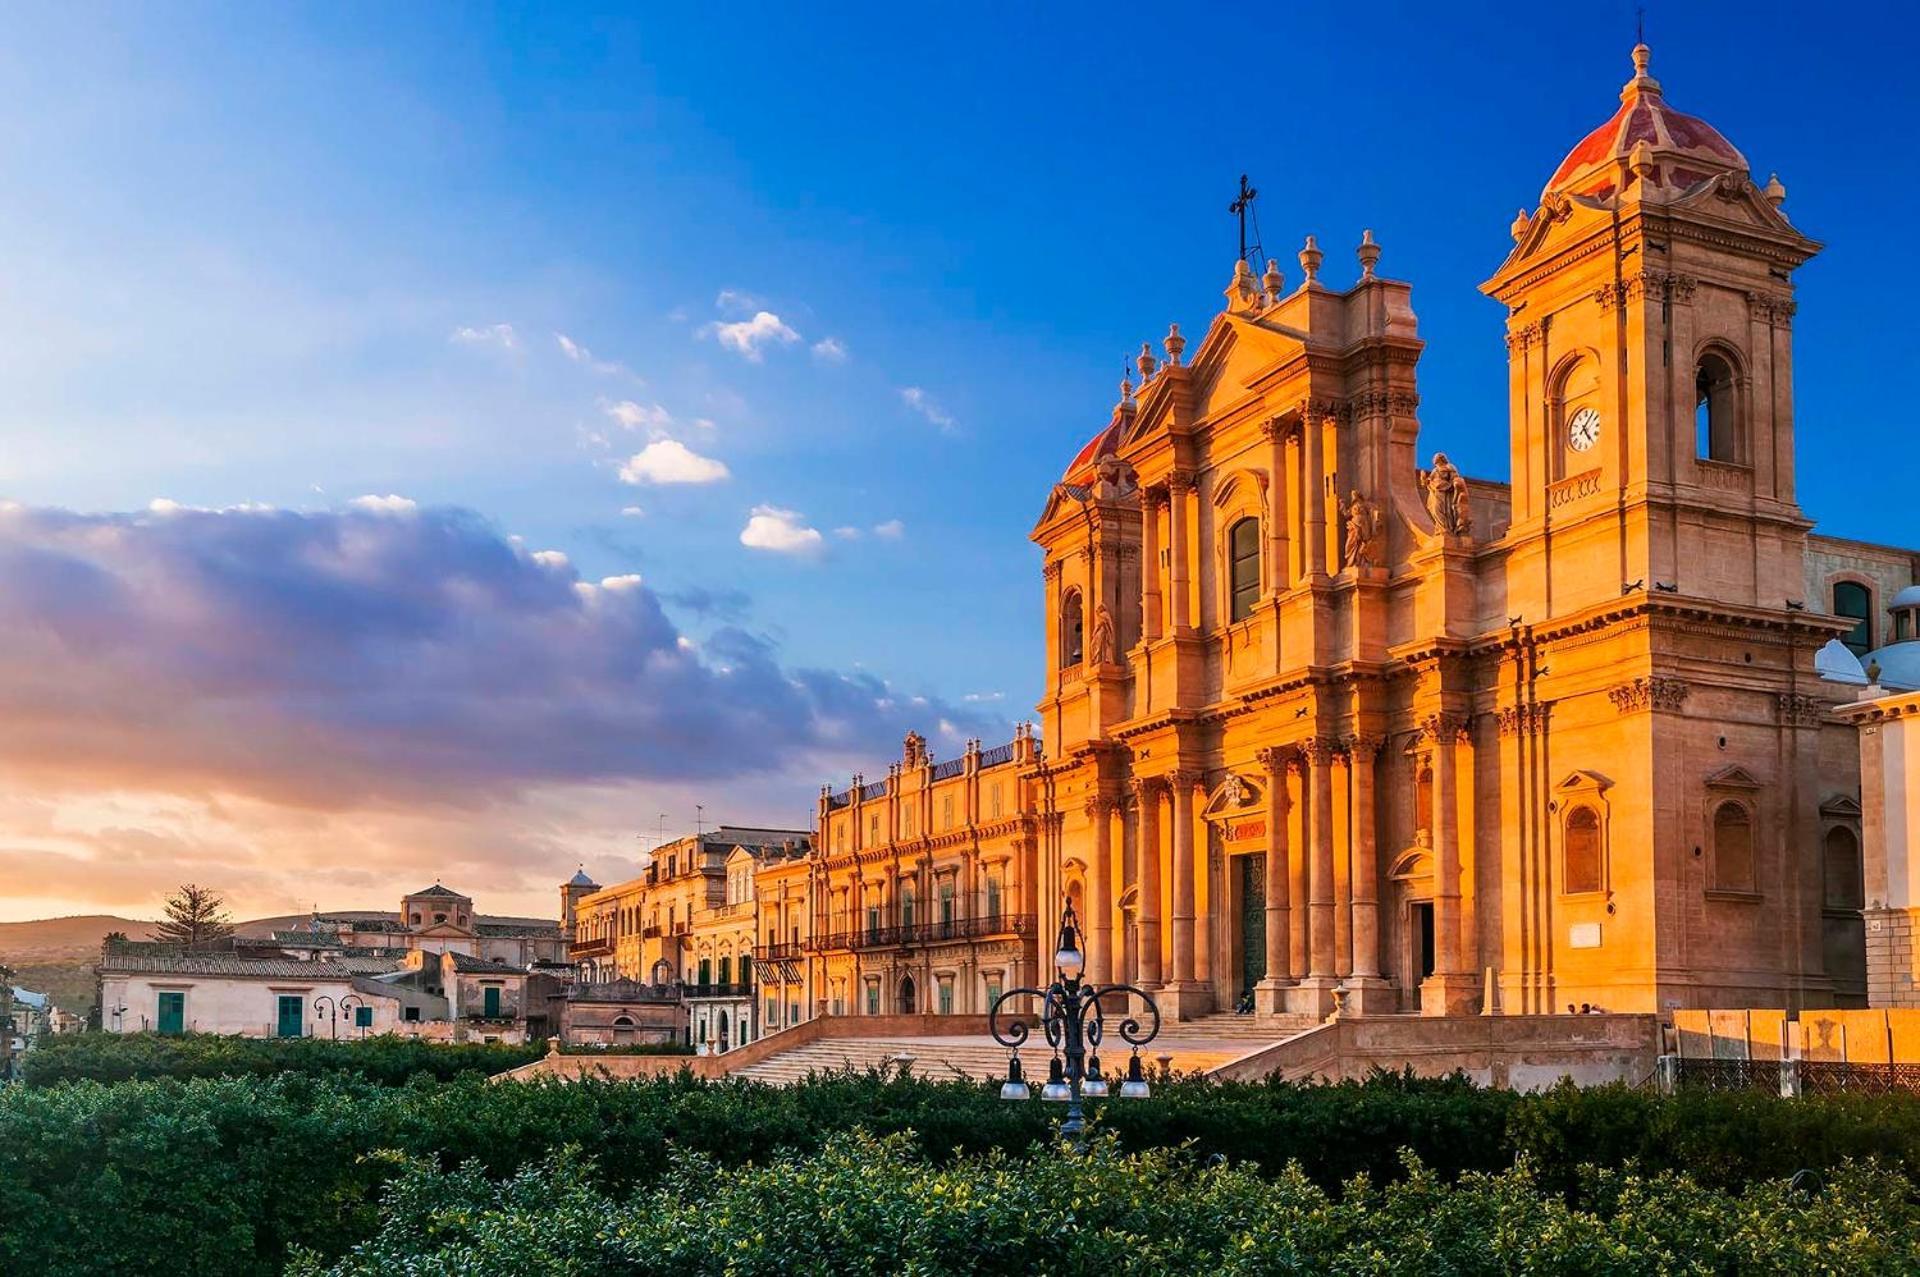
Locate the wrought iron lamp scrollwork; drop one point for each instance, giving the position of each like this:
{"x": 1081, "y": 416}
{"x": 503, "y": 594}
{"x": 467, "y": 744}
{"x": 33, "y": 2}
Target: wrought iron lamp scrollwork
{"x": 1073, "y": 1021}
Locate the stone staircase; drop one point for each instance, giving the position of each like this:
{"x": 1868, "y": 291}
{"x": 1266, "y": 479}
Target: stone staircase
{"x": 1195, "y": 1046}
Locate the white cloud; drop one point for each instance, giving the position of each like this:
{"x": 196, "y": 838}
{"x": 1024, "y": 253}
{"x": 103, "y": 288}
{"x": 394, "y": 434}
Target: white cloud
{"x": 847, "y": 534}
{"x": 389, "y": 504}
{"x": 638, "y": 416}
{"x": 923, "y": 403}
{"x": 984, "y": 696}
{"x": 733, "y": 301}
{"x": 891, "y": 530}
{"x": 581, "y": 355}
{"x": 670, "y": 461}
{"x": 746, "y": 337}
{"x": 830, "y": 350}
{"x": 632, "y": 512}
{"x": 782, "y": 531}
{"x": 501, "y": 335}
{"x": 550, "y": 558}
{"x": 625, "y": 581}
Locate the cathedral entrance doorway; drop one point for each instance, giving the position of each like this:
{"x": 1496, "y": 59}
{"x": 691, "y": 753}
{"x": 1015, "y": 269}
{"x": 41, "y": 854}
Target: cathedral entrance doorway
{"x": 1420, "y": 939}
{"x": 1250, "y": 920}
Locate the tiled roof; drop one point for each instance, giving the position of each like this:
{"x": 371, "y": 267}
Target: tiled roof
{"x": 437, "y": 890}
{"x": 482, "y": 966}
{"x": 232, "y": 965}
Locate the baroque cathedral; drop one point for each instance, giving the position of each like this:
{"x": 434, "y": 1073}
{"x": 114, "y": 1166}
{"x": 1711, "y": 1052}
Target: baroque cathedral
{"x": 1328, "y": 723}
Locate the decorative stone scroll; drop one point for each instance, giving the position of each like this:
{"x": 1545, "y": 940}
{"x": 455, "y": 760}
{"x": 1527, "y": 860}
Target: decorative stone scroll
{"x": 1444, "y": 729}
{"x": 1527, "y": 720}
{"x": 1668, "y": 694}
{"x": 1649, "y": 283}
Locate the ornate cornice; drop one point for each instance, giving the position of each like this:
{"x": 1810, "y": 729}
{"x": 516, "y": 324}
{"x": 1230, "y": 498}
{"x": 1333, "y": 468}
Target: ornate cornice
{"x": 1275, "y": 758}
{"x": 1320, "y": 751}
{"x": 1324, "y": 408}
{"x": 1381, "y": 403}
{"x": 1669, "y": 694}
{"x": 1775, "y": 308}
{"x": 1051, "y": 570}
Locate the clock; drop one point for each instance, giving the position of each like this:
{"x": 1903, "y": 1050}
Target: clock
{"x": 1584, "y": 430}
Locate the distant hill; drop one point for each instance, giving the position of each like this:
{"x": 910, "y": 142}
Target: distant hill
{"x": 55, "y": 956}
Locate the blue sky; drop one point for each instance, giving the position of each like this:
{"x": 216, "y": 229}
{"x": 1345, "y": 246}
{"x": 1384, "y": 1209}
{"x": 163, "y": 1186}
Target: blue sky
{"x": 271, "y": 255}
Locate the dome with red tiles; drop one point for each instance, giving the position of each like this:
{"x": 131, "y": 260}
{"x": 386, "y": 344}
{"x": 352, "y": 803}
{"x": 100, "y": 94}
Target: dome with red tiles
{"x": 1101, "y": 445}
{"x": 1645, "y": 137}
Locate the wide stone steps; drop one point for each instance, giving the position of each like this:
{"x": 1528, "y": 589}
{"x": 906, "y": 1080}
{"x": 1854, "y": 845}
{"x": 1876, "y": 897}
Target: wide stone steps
{"x": 1196, "y": 1046}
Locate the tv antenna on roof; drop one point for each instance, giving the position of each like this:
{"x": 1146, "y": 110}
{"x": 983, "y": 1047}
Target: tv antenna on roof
{"x": 1242, "y": 208}
{"x": 699, "y": 820}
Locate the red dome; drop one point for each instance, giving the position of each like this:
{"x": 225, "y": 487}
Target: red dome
{"x": 1682, "y": 149}
{"x": 1097, "y": 447}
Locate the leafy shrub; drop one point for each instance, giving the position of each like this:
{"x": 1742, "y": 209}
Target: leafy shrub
{"x": 229, "y": 1174}
{"x": 387, "y": 1059}
{"x": 867, "y": 1205}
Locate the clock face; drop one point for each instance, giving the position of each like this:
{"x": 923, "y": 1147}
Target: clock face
{"x": 1584, "y": 430}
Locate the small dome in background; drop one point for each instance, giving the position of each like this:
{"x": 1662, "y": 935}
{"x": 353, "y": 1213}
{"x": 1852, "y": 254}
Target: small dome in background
{"x": 1836, "y": 663}
{"x": 580, "y": 879}
{"x": 1909, "y": 597}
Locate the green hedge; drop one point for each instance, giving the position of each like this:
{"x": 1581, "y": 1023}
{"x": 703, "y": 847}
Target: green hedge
{"x": 878, "y": 1206}
{"x": 226, "y": 1175}
{"x": 387, "y": 1059}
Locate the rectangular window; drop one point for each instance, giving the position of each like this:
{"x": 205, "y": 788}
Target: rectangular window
{"x": 873, "y": 997}
{"x": 996, "y": 801}
{"x": 946, "y": 995}
{"x": 173, "y": 1013}
{"x": 993, "y": 988}
{"x": 993, "y": 896}
{"x": 1243, "y": 554}
{"x": 411, "y": 1015}
{"x": 946, "y": 812}
{"x": 490, "y": 1001}
{"x": 292, "y": 1021}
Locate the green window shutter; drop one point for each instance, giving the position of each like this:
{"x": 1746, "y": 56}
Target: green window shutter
{"x": 173, "y": 1013}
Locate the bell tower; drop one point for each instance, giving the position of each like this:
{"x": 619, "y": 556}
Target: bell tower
{"x": 1649, "y": 303}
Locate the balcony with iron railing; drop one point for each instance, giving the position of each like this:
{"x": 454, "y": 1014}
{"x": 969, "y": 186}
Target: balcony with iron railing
{"x": 695, "y": 991}
{"x": 919, "y": 935}
{"x": 594, "y": 947}
{"x": 779, "y": 952}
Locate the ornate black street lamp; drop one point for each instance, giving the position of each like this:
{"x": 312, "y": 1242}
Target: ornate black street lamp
{"x": 1074, "y": 1022}
{"x": 336, "y": 1010}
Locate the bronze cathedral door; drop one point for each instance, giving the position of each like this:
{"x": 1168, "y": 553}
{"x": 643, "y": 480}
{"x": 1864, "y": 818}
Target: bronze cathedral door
{"x": 1252, "y": 919}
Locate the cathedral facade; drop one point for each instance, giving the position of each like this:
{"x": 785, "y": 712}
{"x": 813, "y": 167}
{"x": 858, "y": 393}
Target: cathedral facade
{"x": 1328, "y": 723}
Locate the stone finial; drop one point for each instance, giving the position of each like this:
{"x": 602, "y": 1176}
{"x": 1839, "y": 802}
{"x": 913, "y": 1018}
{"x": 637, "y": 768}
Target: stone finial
{"x": 1775, "y": 190}
{"x": 1368, "y": 253}
{"x": 1175, "y": 344}
{"x": 1242, "y": 293}
{"x": 1126, "y": 386}
{"x": 1642, "y": 82}
{"x": 1148, "y": 364}
{"x": 1272, "y": 281}
{"x": 1873, "y": 671}
{"x": 1310, "y": 259}
{"x": 1640, "y": 161}
{"x": 1521, "y": 224}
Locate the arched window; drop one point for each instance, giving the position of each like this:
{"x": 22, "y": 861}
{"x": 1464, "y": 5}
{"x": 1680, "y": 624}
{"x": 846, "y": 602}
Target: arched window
{"x": 1243, "y": 568}
{"x": 1841, "y": 858}
{"x": 1732, "y": 848}
{"x": 1716, "y": 414}
{"x": 1582, "y": 851}
{"x": 1577, "y": 406}
{"x": 1854, "y": 600}
{"x": 1072, "y": 631}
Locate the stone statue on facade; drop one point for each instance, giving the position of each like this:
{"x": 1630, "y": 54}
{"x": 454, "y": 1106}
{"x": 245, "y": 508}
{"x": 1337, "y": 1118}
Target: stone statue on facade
{"x": 1365, "y": 524}
{"x": 1447, "y": 499}
{"x": 1101, "y": 650}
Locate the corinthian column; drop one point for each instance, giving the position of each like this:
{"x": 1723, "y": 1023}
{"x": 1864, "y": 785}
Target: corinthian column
{"x": 1278, "y": 814}
{"x": 1279, "y": 570}
{"x": 1100, "y": 892}
{"x": 1183, "y": 875}
{"x": 1179, "y": 486}
{"x": 1319, "y": 756}
{"x": 1149, "y": 563}
{"x": 1444, "y": 731}
{"x": 1366, "y": 861}
{"x": 1146, "y": 797}
{"x": 1313, "y": 485}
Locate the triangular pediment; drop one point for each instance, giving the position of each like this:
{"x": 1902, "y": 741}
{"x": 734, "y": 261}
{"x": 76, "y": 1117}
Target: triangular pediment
{"x": 1582, "y": 779}
{"x": 1733, "y": 776}
{"x": 1841, "y": 807}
